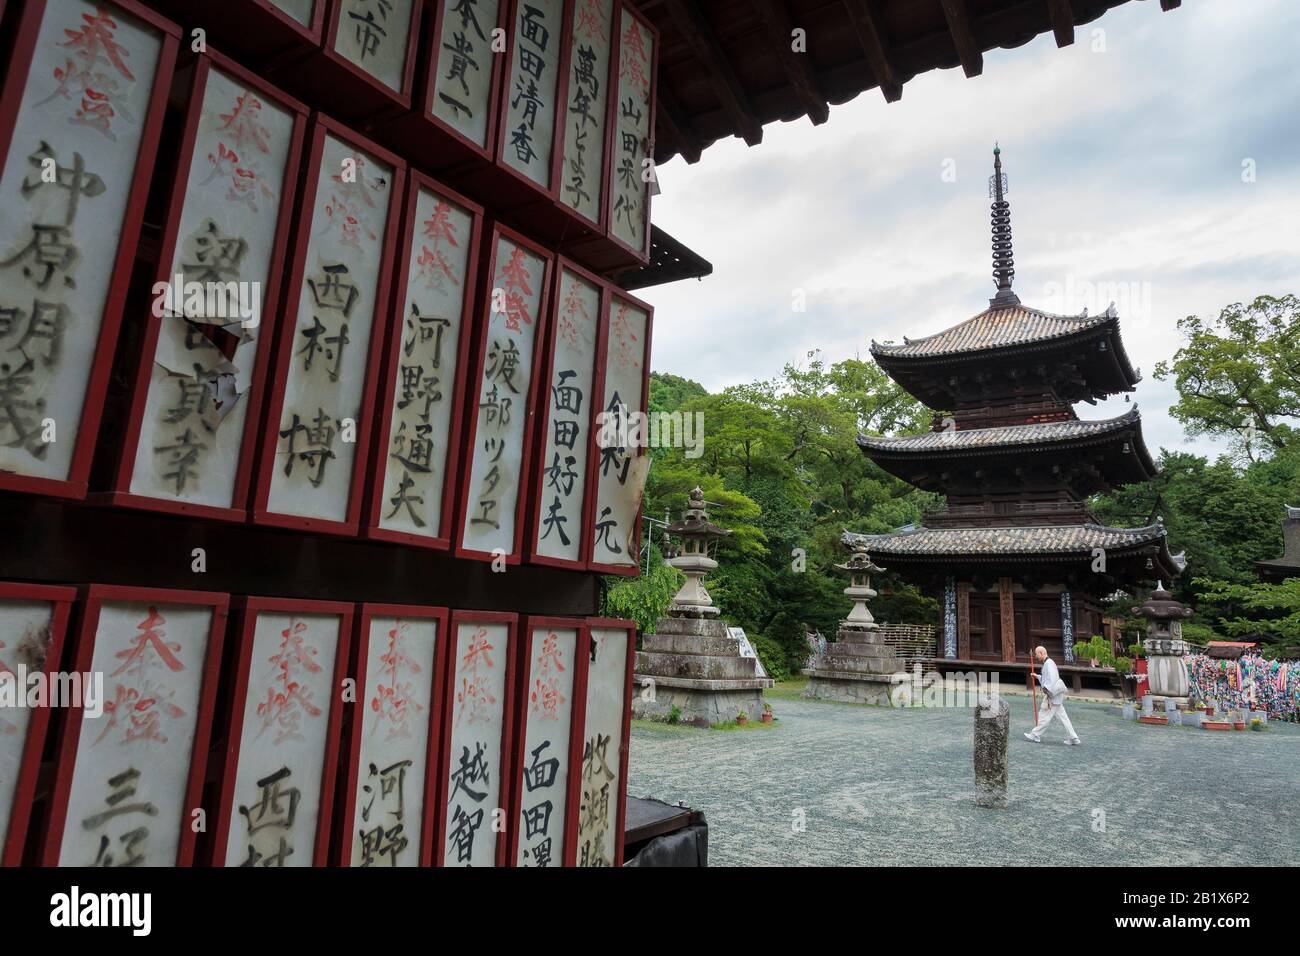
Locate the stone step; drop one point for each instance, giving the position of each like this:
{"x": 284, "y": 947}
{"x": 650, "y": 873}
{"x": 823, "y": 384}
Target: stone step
{"x": 696, "y": 626}
{"x": 702, "y": 666}
{"x": 691, "y": 644}
{"x": 860, "y": 665}
{"x": 860, "y": 650}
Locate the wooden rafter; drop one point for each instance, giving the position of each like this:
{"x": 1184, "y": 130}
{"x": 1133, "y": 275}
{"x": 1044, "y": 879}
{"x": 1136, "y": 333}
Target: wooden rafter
{"x": 866, "y": 23}
{"x": 1062, "y": 21}
{"x": 676, "y": 124}
{"x": 695, "y": 28}
{"x": 963, "y": 36}
{"x": 779, "y": 29}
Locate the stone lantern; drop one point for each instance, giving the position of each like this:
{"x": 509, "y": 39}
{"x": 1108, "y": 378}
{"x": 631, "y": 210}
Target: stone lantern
{"x": 858, "y": 665}
{"x": 693, "y": 667}
{"x": 859, "y": 568}
{"x": 694, "y": 533}
{"x": 1164, "y": 645}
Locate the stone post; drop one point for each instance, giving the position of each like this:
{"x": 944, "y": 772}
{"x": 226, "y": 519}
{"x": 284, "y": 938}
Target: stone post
{"x": 992, "y": 726}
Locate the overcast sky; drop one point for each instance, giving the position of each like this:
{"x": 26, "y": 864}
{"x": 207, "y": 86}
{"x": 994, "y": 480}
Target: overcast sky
{"x": 1124, "y": 154}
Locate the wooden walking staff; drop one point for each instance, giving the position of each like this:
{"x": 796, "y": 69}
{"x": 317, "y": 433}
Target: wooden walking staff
{"x": 1033, "y": 687}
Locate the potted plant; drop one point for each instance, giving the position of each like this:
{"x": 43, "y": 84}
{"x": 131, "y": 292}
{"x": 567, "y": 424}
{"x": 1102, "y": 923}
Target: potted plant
{"x": 742, "y": 718}
{"x": 1256, "y": 723}
{"x": 767, "y": 713}
{"x": 1239, "y": 721}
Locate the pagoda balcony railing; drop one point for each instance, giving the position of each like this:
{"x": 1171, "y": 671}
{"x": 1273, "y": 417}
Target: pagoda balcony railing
{"x": 990, "y": 512}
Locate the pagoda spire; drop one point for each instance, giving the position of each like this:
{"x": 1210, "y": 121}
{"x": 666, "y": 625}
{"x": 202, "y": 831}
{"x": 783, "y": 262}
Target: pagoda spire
{"x": 1003, "y": 265}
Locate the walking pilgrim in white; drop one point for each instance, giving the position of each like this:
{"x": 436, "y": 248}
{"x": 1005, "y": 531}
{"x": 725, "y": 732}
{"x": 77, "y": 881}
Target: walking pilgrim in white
{"x": 1053, "y": 700}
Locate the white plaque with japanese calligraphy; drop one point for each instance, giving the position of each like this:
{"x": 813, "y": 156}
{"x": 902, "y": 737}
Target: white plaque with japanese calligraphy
{"x": 126, "y": 805}
{"x": 374, "y": 35}
{"x": 568, "y": 424}
{"x": 630, "y": 215}
{"x": 282, "y": 746}
{"x": 463, "y": 79}
{"x": 548, "y": 716}
{"x": 602, "y": 744}
{"x": 619, "y": 482}
{"x": 64, "y": 190}
{"x": 398, "y": 700}
{"x": 585, "y": 113}
{"x": 415, "y": 468}
{"x": 530, "y": 89}
{"x": 24, "y": 637}
{"x": 299, "y": 10}
{"x": 502, "y": 396}
{"x": 473, "y": 774}
{"x": 330, "y": 342}
{"x": 211, "y": 330}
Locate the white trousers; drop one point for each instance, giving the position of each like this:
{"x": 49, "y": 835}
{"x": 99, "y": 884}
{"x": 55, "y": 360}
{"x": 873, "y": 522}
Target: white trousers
{"x": 1046, "y": 711}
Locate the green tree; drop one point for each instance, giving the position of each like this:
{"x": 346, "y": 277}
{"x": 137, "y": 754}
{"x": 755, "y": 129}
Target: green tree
{"x": 1238, "y": 376}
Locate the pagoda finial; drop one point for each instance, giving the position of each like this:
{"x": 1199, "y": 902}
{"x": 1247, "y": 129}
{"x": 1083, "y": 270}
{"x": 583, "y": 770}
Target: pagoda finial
{"x": 1003, "y": 264}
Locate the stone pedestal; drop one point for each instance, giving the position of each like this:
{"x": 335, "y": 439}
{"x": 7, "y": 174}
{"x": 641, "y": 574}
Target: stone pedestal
{"x": 1165, "y": 648}
{"x": 694, "y": 664}
{"x": 1166, "y": 670}
{"x": 858, "y": 668}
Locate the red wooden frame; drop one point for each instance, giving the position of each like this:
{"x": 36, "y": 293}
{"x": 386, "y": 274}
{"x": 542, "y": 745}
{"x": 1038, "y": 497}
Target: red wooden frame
{"x": 487, "y": 151}
{"x": 93, "y": 599}
{"x": 29, "y": 767}
{"x": 642, "y": 254}
{"x": 257, "y": 29}
{"x": 459, "y": 385}
{"x": 533, "y": 189}
{"x": 246, "y": 611}
{"x": 121, "y": 493}
{"x": 397, "y": 99}
{"x": 624, "y": 747}
{"x": 536, "y": 482}
{"x": 433, "y": 776}
{"x": 577, "y": 722}
{"x": 600, "y": 225}
{"x": 593, "y": 460}
{"x": 504, "y": 768}
{"x": 288, "y": 322}
{"x": 15, "y": 84}
{"x": 481, "y": 324}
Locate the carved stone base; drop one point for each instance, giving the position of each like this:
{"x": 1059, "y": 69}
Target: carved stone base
{"x": 848, "y": 688}
{"x": 696, "y": 702}
{"x": 857, "y": 668}
{"x": 694, "y": 664}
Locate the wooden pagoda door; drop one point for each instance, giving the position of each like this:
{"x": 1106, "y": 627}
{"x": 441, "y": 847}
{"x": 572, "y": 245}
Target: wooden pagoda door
{"x": 985, "y": 628}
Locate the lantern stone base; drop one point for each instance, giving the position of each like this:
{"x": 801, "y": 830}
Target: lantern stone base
{"x": 858, "y": 668}
{"x": 694, "y": 664}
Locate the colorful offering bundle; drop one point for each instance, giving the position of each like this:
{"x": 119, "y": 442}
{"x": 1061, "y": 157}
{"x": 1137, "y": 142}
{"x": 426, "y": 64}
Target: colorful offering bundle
{"x": 1273, "y": 686}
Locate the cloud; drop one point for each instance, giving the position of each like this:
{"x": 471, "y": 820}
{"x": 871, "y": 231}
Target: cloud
{"x": 1125, "y": 156}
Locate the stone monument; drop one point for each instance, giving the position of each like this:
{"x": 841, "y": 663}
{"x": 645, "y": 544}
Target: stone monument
{"x": 1165, "y": 648}
{"x": 692, "y": 662}
{"x": 858, "y": 666}
{"x": 992, "y": 726}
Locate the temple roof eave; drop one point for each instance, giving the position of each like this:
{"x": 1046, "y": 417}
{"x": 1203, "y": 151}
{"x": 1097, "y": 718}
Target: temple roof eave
{"x": 1012, "y": 439}
{"x": 1037, "y": 543}
{"x": 956, "y": 346}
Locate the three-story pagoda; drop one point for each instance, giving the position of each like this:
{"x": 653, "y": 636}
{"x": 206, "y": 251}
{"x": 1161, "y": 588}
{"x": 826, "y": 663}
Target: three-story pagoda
{"x": 1017, "y": 557}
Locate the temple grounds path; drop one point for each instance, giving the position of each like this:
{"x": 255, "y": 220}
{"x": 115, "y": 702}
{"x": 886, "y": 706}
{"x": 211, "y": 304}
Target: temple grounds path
{"x": 887, "y": 787}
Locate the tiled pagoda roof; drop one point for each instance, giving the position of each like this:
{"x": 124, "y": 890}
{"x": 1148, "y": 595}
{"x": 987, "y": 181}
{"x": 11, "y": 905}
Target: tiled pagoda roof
{"x": 1075, "y": 540}
{"x": 995, "y": 328}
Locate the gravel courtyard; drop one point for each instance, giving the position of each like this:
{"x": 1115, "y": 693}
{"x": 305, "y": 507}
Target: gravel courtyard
{"x": 886, "y": 787}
